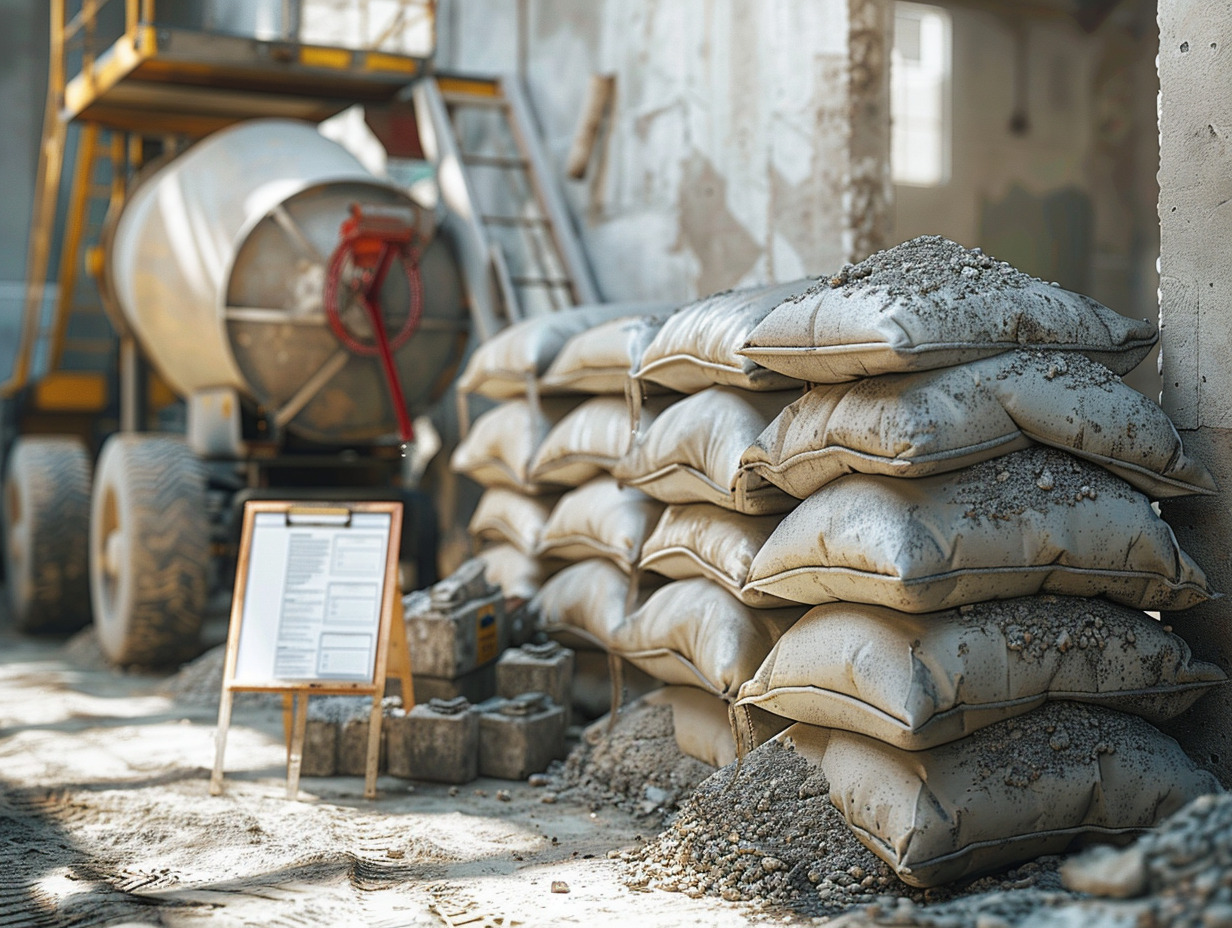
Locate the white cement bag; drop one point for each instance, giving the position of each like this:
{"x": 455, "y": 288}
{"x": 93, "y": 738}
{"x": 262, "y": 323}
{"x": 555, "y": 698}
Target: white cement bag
{"x": 601, "y": 359}
{"x": 703, "y": 540}
{"x": 504, "y": 515}
{"x": 697, "y": 346}
{"x": 600, "y": 519}
{"x": 913, "y": 425}
{"x": 583, "y": 604}
{"x": 931, "y": 303}
{"x": 691, "y": 452}
{"x": 1011, "y": 792}
{"x": 519, "y": 575}
{"x": 1036, "y": 521}
{"x": 510, "y": 363}
{"x": 917, "y": 681}
{"x": 695, "y": 633}
{"x": 499, "y": 448}
{"x": 589, "y": 441}
{"x": 703, "y": 729}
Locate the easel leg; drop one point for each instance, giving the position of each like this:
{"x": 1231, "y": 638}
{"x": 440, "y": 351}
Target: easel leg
{"x": 374, "y": 748}
{"x": 400, "y": 656}
{"x": 297, "y": 744}
{"x": 220, "y": 741}
{"x": 287, "y": 719}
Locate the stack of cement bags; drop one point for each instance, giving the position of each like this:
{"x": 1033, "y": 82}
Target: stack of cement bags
{"x": 551, "y": 514}
{"x": 703, "y": 634}
{"x": 978, "y": 681}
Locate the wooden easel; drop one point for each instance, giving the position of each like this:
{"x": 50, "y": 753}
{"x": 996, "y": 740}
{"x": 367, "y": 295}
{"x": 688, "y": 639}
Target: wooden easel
{"x": 252, "y": 624}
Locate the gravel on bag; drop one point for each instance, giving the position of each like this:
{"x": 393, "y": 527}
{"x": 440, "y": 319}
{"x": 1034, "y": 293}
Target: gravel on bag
{"x": 637, "y": 767}
{"x": 772, "y": 837}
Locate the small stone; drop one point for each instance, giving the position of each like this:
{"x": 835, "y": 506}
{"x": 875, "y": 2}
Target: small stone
{"x": 548, "y": 798}
{"x": 560, "y": 886}
{"x": 538, "y": 780}
{"x": 770, "y": 864}
{"x": 453, "y": 791}
{"x": 504, "y": 795}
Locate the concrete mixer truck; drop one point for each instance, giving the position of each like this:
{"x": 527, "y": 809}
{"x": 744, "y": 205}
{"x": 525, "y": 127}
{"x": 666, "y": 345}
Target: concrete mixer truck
{"x": 304, "y": 311}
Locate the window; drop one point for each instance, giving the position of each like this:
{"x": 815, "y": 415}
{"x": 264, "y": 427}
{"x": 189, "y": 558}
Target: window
{"x": 919, "y": 95}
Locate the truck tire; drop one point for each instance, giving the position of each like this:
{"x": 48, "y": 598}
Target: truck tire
{"x": 149, "y": 550}
{"x": 46, "y": 529}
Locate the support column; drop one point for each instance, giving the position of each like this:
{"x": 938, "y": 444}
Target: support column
{"x": 868, "y": 191}
{"x": 1195, "y": 212}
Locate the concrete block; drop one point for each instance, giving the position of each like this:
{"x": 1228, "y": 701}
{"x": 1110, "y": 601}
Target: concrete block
{"x": 320, "y": 749}
{"x": 353, "y": 748}
{"x": 536, "y": 668}
{"x": 476, "y": 686}
{"x": 448, "y": 640}
{"x": 436, "y": 741}
{"x": 520, "y": 736}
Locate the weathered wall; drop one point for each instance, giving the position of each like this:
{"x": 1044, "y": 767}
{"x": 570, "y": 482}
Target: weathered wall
{"x": 1071, "y": 198}
{"x": 748, "y": 140}
{"x": 1195, "y": 177}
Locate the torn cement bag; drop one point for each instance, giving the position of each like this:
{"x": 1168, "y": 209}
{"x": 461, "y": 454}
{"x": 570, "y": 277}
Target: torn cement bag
{"x": 702, "y": 540}
{"x": 695, "y": 633}
{"x": 913, "y": 425}
{"x": 917, "y": 681}
{"x": 697, "y": 346}
{"x": 505, "y": 515}
{"x": 510, "y": 363}
{"x": 1011, "y": 792}
{"x": 589, "y": 441}
{"x": 931, "y": 303}
{"x": 600, "y": 519}
{"x": 601, "y": 360}
{"x": 703, "y": 729}
{"x": 582, "y": 604}
{"x": 517, "y": 574}
{"x": 1035, "y": 521}
{"x": 498, "y": 449}
{"x": 691, "y": 452}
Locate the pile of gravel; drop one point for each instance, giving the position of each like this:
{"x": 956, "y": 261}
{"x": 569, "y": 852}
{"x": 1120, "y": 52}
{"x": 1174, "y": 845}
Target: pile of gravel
{"x": 767, "y": 833}
{"x": 637, "y": 767}
{"x": 199, "y": 683}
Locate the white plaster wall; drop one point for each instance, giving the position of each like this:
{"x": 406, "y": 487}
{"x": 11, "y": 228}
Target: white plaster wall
{"x": 727, "y": 155}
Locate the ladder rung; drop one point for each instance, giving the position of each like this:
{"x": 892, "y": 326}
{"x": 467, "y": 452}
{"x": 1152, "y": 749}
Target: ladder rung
{"x": 516, "y": 220}
{"x": 466, "y": 99}
{"x": 541, "y": 282}
{"x": 495, "y": 161}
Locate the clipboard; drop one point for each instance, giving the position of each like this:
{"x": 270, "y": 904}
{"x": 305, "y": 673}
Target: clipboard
{"x": 316, "y": 611}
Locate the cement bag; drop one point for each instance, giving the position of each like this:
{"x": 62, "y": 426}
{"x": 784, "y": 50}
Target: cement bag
{"x": 600, "y": 519}
{"x": 1009, "y": 793}
{"x": 702, "y": 540}
{"x": 931, "y": 303}
{"x": 601, "y": 360}
{"x": 589, "y": 441}
{"x": 505, "y": 515}
{"x": 703, "y": 729}
{"x": 499, "y": 448}
{"x": 697, "y": 346}
{"x": 519, "y": 575}
{"x": 509, "y": 363}
{"x": 591, "y": 690}
{"x": 691, "y": 452}
{"x": 1036, "y": 521}
{"x": 917, "y": 681}
{"x": 695, "y": 633}
{"x": 582, "y": 605}
{"x": 913, "y": 425}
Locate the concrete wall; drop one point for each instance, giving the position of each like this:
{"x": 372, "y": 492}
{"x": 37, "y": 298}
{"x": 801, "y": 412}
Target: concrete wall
{"x": 1071, "y": 198}
{"x": 748, "y": 142}
{"x": 1195, "y": 176}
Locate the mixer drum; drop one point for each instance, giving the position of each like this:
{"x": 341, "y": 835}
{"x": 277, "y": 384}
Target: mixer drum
{"x": 219, "y": 262}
